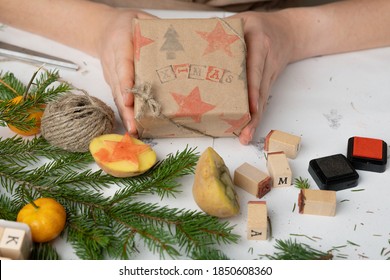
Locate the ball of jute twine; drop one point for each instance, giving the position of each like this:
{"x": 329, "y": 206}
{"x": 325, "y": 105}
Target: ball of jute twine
{"x": 72, "y": 121}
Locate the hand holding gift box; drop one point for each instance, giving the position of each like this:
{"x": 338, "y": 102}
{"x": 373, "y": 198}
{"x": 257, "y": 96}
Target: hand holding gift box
{"x": 190, "y": 77}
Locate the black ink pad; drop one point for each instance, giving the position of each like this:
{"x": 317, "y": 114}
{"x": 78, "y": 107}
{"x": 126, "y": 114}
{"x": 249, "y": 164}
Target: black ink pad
{"x": 333, "y": 172}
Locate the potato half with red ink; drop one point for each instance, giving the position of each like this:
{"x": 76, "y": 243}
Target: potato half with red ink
{"x": 122, "y": 155}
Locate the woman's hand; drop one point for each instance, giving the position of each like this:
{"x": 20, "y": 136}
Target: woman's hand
{"x": 269, "y": 51}
{"x": 116, "y": 55}
{"x": 269, "y": 48}
{"x": 97, "y": 29}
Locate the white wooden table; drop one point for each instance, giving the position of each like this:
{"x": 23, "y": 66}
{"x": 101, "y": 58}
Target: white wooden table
{"x": 325, "y": 100}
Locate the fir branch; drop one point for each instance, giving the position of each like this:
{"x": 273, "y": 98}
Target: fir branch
{"x": 16, "y": 114}
{"x": 10, "y": 86}
{"x": 7, "y": 208}
{"x": 14, "y": 150}
{"x": 44, "y": 251}
{"x": 30, "y": 83}
{"x": 100, "y": 226}
{"x": 150, "y": 223}
{"x": 23, "y": 151}
{"x": 197, "y": 230}
{"x": 206, "y": 253}
{"x": 41, "y": 84}
{"x": 291, "y": 250}
{"x": 189, "y": 230}
{"x": 40, "y": 94}
{"x": 301, "y": 183}
{"x": 161, "y": 179}
{"x": 58, "y": 178}
{"x": 87, "y": 237}
{"x": 47, "y": 87}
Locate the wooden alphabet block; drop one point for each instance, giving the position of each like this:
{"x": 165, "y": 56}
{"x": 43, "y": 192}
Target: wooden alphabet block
{"x": 317, "y": 202}
{"x": 252, "y": 180}
{"x": 279, "y": 169}
{"x": 15, "y": 240}
{"x": 257, "y": 225}
{"x": 279, "y": 141}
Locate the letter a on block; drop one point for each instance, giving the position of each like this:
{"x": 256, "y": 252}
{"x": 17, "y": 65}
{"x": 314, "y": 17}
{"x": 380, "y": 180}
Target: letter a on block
{"x": 257, "y": 220}
{"x": 255, "y": 233}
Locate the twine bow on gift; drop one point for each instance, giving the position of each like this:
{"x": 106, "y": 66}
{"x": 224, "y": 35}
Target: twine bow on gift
{"x": 144, "y": 91}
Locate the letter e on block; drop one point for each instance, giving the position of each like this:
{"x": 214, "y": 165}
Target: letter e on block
{"x": 279, "y": 169}
{"x": 252, "y": 180}
{"x": 317, "y": 202}
{"x": 257, "y": 226}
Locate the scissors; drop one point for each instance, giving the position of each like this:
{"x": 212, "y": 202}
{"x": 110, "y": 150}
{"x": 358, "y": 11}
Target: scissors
{"x": 15, "y": 52}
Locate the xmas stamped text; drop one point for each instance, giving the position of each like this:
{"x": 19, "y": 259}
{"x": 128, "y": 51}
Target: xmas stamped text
{"x": 195, "y": 71}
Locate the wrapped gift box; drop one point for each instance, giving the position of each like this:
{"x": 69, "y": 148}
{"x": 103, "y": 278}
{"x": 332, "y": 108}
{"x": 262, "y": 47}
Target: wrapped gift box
{"x": 190, "y": 77}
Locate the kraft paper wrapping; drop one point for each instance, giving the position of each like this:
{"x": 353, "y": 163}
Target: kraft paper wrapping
{"x": 190, "y": 77}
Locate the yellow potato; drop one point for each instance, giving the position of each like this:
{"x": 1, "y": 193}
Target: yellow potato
{"x": 122, "y": 155}
{"x": 213, "y": 188}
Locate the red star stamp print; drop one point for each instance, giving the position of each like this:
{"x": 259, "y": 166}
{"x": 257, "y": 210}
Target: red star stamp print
{"x": 191, "y": 105}
{"x": 218, "y": 39}
{"x": 139, "y": 42}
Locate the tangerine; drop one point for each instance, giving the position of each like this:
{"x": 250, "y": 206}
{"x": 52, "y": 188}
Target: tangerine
{"x": 34, "y": 114}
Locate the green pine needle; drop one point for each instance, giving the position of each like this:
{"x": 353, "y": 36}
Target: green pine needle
{"x": 209, "y": 254}
{"x": 44, "y": 88}
{"x": 291, "y": 250}
{"x": 10, "y": 86}
{"x": 301, "y": 183}
{"x": 101, "y": 226}
{"x": 44, "y": 251}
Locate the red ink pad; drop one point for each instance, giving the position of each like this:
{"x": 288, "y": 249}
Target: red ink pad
{"x": 333, "y": 172}
{"x": 367, "y": 153}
